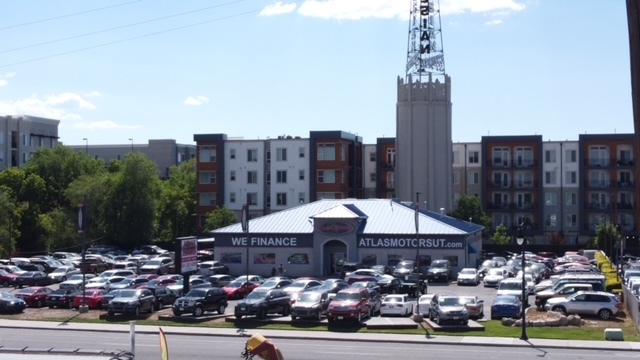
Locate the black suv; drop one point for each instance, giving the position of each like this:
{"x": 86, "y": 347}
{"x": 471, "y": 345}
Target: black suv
{"x": 439, "y": 270}
{"x": 199, "y": 300}
{"x": 261, "y": 303}
{"x": 163, "y": 295}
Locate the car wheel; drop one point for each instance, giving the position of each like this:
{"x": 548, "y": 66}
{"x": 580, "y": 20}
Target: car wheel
{"x": 152, "y": 308}
{"x": 198, "y": 311}
{"x": 238, "y": 316}
{"x": 359, "y": 317}
{"x": 136, "y": 311}
{"x": 329, "y": 320}
{"x": 559, "y": 309}
{"x": 39, "y": 304}
{"x": 286, "y": 311}
{"x": 5, "y": 284}
{"x": 293, "y": 317}
{"x": 319, "y": 315}
{"x": 481, "y": 315}
{"x": 605, "y": 314}
{"x": 221, "y": 309}
{"x": 262, "y": 314}
{"x": 177, "y": 313}
{"x": 437, "y": 319}
{"x": 160, "y": 304}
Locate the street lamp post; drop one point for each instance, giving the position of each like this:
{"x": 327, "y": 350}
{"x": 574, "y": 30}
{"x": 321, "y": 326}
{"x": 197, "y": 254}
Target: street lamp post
{"x": 521, "y": 241}
{"x": 131, "y": 144}
{"x": 86, "y": 145}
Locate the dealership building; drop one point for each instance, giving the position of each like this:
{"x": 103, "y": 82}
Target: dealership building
{"x": 314, "y": 239}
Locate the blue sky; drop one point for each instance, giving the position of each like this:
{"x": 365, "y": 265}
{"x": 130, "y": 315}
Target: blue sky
{"x": 163, "y": 69}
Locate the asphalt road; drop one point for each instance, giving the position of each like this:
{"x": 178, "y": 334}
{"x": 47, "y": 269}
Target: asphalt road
{"x": 196, "y": 347}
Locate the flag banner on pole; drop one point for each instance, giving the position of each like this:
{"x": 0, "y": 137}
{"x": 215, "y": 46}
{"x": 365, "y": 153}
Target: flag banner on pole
{"x": 245, "y": 218}
{"x": 164, "y": 348}
{"x": 417, "y": 217}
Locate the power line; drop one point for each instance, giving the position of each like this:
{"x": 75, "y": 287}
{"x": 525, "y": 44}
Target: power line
{"x": 129, "y": 39}
{"x": 118, "y": 27}
{"x": 65, "y": 16}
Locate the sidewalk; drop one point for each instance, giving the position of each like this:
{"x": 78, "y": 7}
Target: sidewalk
{"x": 324, "y": 335}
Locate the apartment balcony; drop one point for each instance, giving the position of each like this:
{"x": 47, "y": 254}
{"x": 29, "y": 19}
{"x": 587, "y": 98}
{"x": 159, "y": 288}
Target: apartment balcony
{"x": 526, "y": 184}
{"x": 511, "y": 206}
{"x": 626, "y": 185}
{"x": 597, "y": 205}
{"x": 598, "y": 163}
{"x": 625, "y": 163}
{"x": 498, "y": 163}
{"x": 387, "y": 166}
{"x": 598, "y": 184}
{"x": 500, "y": 185}
{"x": 625, "y": 206}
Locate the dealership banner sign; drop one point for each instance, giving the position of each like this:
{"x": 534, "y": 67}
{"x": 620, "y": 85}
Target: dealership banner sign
{"x": 408, "y": 242}
{"x": 264, "y": 240}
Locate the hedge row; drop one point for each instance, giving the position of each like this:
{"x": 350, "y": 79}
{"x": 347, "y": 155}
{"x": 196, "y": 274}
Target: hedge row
{"x": 612, "y": 282}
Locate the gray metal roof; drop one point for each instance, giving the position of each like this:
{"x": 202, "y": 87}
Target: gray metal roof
{"x": 382, "y": 216}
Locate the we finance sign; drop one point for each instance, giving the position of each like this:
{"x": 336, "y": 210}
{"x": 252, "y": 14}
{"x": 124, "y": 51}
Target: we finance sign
{"x": 264, "y": 240}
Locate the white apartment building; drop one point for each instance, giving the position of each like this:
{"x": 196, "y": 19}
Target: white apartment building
{"x": 21, "y": 135}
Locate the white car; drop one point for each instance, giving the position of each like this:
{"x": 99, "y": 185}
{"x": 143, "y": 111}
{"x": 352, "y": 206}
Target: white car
{"x": 397, "y": 304}
{"x": 75, "y": 282}
{"x": 62, "y": 273}
{"x": 424, "y": 304}
{"x": 468, "y": 276}
{"x": 103, "y": 283}
{"x": 368, "y": 272}
{"x": 494, "y": 277}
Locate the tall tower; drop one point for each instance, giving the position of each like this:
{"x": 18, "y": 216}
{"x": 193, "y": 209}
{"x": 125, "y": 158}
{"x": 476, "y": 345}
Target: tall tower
{"x": 424, "y": 151}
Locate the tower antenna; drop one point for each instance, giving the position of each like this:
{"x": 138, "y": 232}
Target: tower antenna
{"x": 425, "y": 54}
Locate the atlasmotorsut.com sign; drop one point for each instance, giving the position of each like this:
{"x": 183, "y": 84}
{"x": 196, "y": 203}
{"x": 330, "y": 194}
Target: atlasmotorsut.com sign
{"x": 407, "y": 242}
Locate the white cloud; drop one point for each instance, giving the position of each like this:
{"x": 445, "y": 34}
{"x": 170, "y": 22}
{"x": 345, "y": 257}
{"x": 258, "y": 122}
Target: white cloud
{"x": 92, "y": 94}
{"x": 103, "y": 125}
{"x": 387, "y": 9}
{"x": 196, "y": 100}
{"x": 63, "y": 106}
{"x": 493, "y": 22}
{"x": 3, "y": 82}
{"x": 67, "y": 97}
{"x": 278, "y": 8}
{"x": 9, "y": 75}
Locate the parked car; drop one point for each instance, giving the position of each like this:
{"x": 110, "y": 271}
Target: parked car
{"x": 398, "y": 304}
{"x": 60, "y": 298}
{"x": 108, "y": 296}
{"x": 332, "y": 286}
{"x": 132, "y": 301}
{"x": 376, "y": 275}
{"x": 199, "y": 301}
{"x": 474, "y": 305}
{"x": 128, "y": 283}
{"x": 311, "y": 304}
{"x": 404, "y": 268}
{"x": 600, "y": 303}
{"x": 163, "y": 296}
{"x": 62, "y": 273}
{"x": 448, "y": 308}
{"x": 104, "y": 283}
{"x": 468, "y": 276}
{"x": 350, "y": 303}
{"x": 35, "y": 296}
{"x": 92, "y": 298}
{"x": 218, "y": 280}
{"x": 494, "y": 276}
{"x": 275, "y": 283}
{"x": 212, "y": 268}
{"x": 9, "y": 303}
{"x": 263, "y": 302}
{"x": 239, "y": 289}
{"x": 126, "y": 265}
{"x": 7, "y": 279}
{"x": 485, "y": 266}
{"x": 390, "y": 286}
{"x": 372, "y": 285}
{"x": 75, "y": 282}
{"x": 33, "y": 278}
{"x": 93, "y": 265}
{"x": 506, "y": 306}
{"x": 194, "y": 283}
{"x": 298, "y": 286}
{"x": 424, "y": 304}
{"x": 376, "y": 302}
{"x": 512, "y": 286}
{"x": 439, "y": 270}
{"x": 564, "y": 291}
{"x": 158, "y": 266}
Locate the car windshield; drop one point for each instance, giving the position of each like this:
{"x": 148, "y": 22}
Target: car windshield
{"x": 60, "y": 270}
{"x": 309, "y": 297}
{"x": 505, "y": 300}
{"x": 297, "y": 285}
{"x": 153, "y": 262}
{"x": 76, "y": 277}
{"x": 128, "y": 293}
{"x": 270, "y": 283}
{"x": 488, "y": 263}
{"x": 28, "y": 274}
{"x": 235, "y": 284}
{"x": 450, "y": 301}
{"x": 468, "y": 271}
{"x": 27, "y": 291}
{"x": 405, "y": 266}
{"x": 257, "y": 295}
{"x": 510, "y": 285}
{"x": 6, "y": 295}
{"x": 438, "y": 265}
{"x": 347, "y": 297}
{"x": 196, "y": 293}
{"x": 425, "y": 299}
{"x": 393, "y": 298}
{"x": 467, "y": 300}
{"x": 495, "y": 272}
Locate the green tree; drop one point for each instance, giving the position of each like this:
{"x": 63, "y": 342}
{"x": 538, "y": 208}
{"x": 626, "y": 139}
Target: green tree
{"x": 60, "y": 228}
{"x": 501, "y": 236}
{"x": 177, "y": 203}
{"x": 220, "y": 217}
{"x": 606, "y": 237}
{"x": 91, "y": 191}
{"x": 10, "y": 218}
{"x": 469, "y": 208}
{"x": 130, "y": 206}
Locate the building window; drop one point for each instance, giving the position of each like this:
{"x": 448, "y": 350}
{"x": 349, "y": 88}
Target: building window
{"x": 268, "y": 156}
{"x": 524, "y": 156}
{"x": 268, "y": 201}
{"x": 372, "y": 177}
{"x": 232, "y": 153}
{"x": 326, "y": 152}
{"x": 232, "y": 175}
{"x": 268, "y": 178}
{"x": 343, "y": 152}
{"x": 281, "y": 176}
{"x": 550, "y": 177}
{"x": 391, "y": 157}
{"x": 550, "y": 199}
{"x": 571, "y": 220}
{"x": 232, "y": 197}
{"x": 474, "y": 157}
{"x": 501, "y": 156}
{"x": 327, "y": 176}
{"x": 252, "y": 177}
{"x": 281, "y": 154}
{"x": 119, "y": 157}
{"x": 301, "y": 198}
{"x": 550, "y": 156}
{"x": 550, "y": 220}
{"x": 474, "y": 178}
{"x": 571, "y": 177}
{"x": 207, "y": 154}
{"x": 25, "y": 140}
{"x": 281, "y": 199}
{"x": 570, "y": 156}
{"x": 25, "y": 157}
{"x": 208, "y": 199}
{"x": 208, "y": 177}
{"x": 252, "y": 198}
{"x": 372, "y": 156}
{"x": 456, "y": 157}
{"x": 252, "y": 155}
{"x": 300, "y": 174}
{"x": 301, "y": 152}
{"x": 572, "y": 198}
{"x": 456, "y": 178}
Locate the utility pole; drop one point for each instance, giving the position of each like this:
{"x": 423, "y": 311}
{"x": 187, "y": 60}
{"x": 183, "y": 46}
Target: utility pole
{"x": 633, "y": 20}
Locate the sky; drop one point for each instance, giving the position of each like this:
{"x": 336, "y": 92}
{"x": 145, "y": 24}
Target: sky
{"x": 116, "y": 70}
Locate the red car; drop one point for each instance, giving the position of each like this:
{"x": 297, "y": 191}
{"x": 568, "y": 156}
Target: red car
{"x": 93, "y": 298}
{"x": 34, "y": 296}
{"x": 7, "y": 279}
{"x": 239, "y": 289}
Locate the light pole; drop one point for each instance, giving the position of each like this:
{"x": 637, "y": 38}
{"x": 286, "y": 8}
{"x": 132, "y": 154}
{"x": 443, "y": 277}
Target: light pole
{"x": 86, "y": 145}
{"x": 521, "y": 242}
{"x": 418, "y": 277}
{"x": 131, "y": 144}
